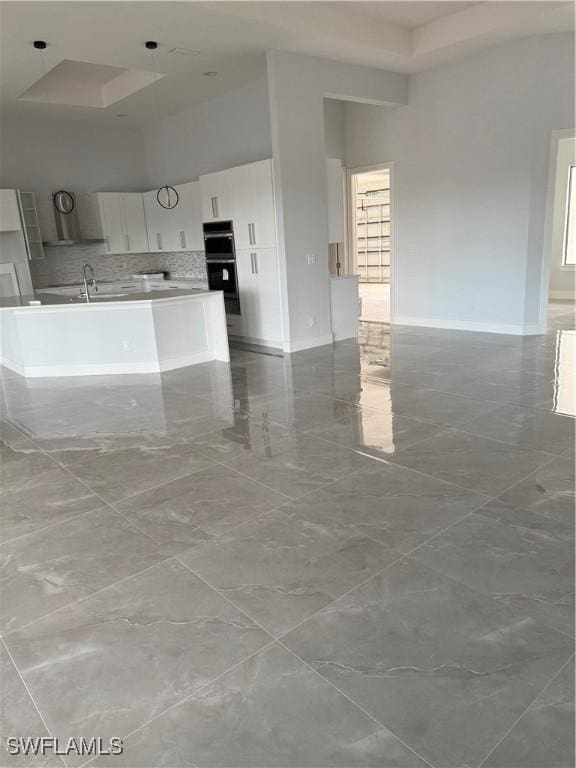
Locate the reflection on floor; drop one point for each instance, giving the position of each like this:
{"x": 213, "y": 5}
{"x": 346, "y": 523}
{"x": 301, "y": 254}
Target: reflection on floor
{"x": 375, "y": 302}
{"x": 358, "y": 556}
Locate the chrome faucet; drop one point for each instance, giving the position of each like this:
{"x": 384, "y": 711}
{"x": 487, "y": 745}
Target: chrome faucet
{"x": 92, "y": 280}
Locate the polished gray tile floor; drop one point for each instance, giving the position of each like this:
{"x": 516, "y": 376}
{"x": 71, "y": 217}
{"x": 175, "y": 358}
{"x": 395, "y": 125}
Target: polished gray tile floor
{"x": 359, "y": 555}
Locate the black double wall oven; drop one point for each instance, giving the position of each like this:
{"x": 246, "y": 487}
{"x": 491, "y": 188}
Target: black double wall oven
{"x": 221, "y": 262}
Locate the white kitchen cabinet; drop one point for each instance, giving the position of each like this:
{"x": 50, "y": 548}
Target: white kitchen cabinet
{"x": 9, "y": 211}
{"x": 111, "y": 222}
{"x": 251, "y": 195}
{"x": 215, "y": 196}
{"x": 262, "y": 200}
{"x": 335, "y": 200}
{"x": 162, "y": 224}
{"x": 189, "y": 218}
{"x": 258, "y": 285}
{"x": 178, "y": 228}
{"x": 122, "y": 220}
{"x": 248, "y": 292}
{"x": 132, "y": 207}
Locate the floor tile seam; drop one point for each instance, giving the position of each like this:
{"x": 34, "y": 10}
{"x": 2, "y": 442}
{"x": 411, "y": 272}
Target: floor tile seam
{"x": 190, "y": 697}
{"x": 459, "y": 428}
{"x": 488, "y": 595}
{"x": 108, "y": 505}
{"x": 374, "y": 409}
{"x": 154, "y": 487}
{"x": 368, "y": 535}
{"x": 27, "y": 689}
{"x": 429, "y": 389}
{"x": 392, "y": 460}
{"x": 358, "y": 706}
{"x": 525, "y": 711}
{"x": 287, "y": 499}
{"x": 320, "y": 436}
{"x": 283, "y": 633}
{"x": 74, "y": 603}
{"x": 72, "y": 518}
{"x": 551, "y": 458}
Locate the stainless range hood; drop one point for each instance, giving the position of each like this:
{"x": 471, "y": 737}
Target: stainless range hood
{"x": 67, "y": 222}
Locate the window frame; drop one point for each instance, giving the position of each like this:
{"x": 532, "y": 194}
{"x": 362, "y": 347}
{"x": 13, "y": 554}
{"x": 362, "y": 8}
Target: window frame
{"x": 570, "y": 200}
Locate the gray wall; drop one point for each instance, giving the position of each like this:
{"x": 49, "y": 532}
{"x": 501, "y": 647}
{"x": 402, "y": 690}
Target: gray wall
{"x": 471, "y": 153}
{"x": 334, "y": 129}
{"x": 46, "y": 155}
{"x": 230, "y": 130}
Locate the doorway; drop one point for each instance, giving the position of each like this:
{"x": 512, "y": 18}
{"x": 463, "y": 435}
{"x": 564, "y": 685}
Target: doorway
{"x": 370, "y": 247}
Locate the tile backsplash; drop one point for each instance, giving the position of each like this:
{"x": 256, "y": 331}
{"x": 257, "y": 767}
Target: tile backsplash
{"x": 63, "y": 264}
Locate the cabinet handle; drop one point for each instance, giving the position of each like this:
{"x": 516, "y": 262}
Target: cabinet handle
{"x": 255, "y": 263}
{"x": 183, "y": 239}
{"x": 127, "y": 242}
{"x": 108, "y": 244}
{"x": 250, "y": 234}
{"x": 159, "y": 240}
{"x": 253, "y": 233}
{"x": 214, "y": 201}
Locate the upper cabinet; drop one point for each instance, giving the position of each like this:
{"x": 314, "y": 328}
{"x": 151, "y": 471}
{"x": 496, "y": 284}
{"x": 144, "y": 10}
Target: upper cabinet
{"x": 9, "y": 211}
{"x": 178, "y": 228}
{"x": 244, "y": 195}
{"x": 215, "y": 194}
{"x": 122, "y": 222}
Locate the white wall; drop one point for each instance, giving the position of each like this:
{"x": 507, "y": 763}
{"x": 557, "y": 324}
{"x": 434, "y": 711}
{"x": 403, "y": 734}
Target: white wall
{"x": 470, "y": 153}
{"x": 47, "y": 155}
{"x": 230, "y": 130}
{"x": 297, "y": 87}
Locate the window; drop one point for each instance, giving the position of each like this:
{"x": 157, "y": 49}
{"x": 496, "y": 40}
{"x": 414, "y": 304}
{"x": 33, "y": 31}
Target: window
{"x": 569, "y": 252}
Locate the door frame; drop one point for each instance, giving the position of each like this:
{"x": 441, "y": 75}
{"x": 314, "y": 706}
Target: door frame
{"x": 350, "y": 173}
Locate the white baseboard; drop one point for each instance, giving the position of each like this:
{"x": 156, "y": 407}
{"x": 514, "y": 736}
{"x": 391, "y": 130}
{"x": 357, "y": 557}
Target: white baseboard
{"x": 344, "y": 336}
{"x": 298, "y": 346}
{"x": 469, "y": 325}
{"x": 105, "y": 369}
{"x": 563, "y": 295}
{"x": 183, "y": 362}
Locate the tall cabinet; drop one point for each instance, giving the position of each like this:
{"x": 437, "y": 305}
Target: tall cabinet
{"x": 245, "y": 195}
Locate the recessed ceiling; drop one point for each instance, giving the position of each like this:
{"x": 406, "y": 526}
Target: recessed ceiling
{"x": 409, "y": 14}
{"x": 90, "y": 41}
{"x": 82, "y": 84}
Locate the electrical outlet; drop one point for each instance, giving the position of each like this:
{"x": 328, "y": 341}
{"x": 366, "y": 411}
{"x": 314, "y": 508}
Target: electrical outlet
{"x": 311, "y": 258}
{"x": 312, "y": 321}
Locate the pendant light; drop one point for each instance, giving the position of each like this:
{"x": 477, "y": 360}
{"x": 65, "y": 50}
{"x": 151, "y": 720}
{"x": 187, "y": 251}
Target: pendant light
{"x": 166, "y": 195}
{"x": 63, "y": 200}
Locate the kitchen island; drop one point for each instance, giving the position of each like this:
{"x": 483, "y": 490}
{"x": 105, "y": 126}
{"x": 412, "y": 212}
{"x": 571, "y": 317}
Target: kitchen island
{"x": 50, "y": 334}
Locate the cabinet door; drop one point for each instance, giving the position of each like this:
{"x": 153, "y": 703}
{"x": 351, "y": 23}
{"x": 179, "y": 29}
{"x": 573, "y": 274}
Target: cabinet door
{"x": 263, "y": 218}
{"x": 241, "y": 208}
{"x": 9, "y": 212}
{"x": 248, "y": 290}
{"x": 112, "y": 222}
{"x": 189, "y": 219}
{"x": 160, "y": 224}
{"x": 134, "y": 222}
{"x": 265, "y": 265}
{"x": 215, "y": 196}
